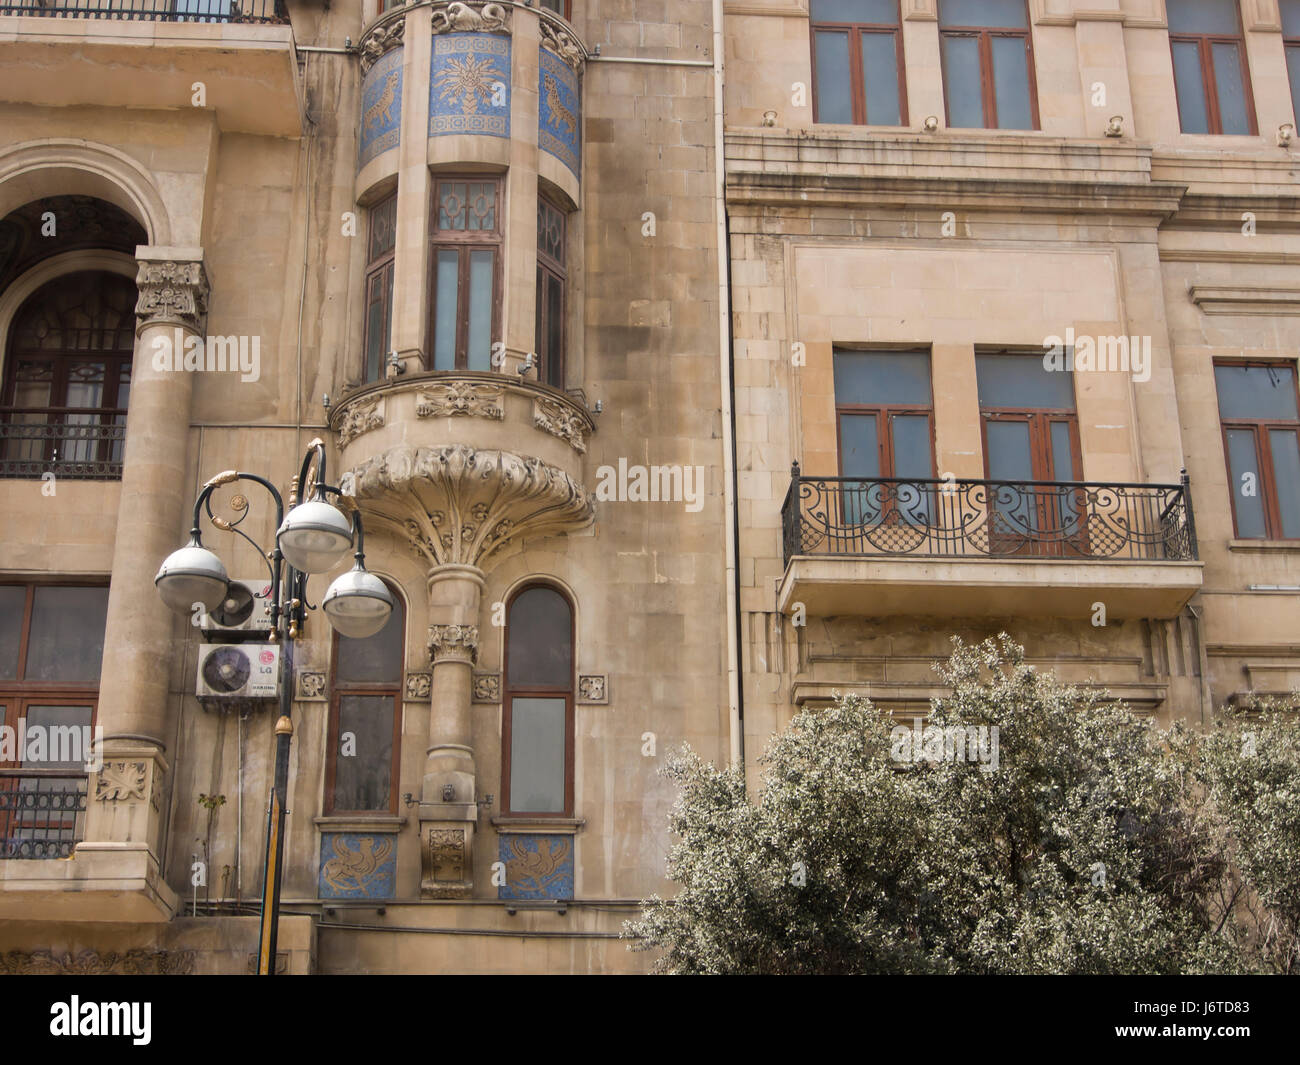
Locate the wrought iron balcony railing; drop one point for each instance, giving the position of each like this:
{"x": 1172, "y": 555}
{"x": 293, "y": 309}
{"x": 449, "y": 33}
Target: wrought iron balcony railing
{"x": 42, "y": 812}
{"x": 34, "y": 443}
{"x": 933, "y": 518}
{"x": 153, "y": 10}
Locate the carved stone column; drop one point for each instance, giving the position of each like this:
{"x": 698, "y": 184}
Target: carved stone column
{"x": 124, "y": 806}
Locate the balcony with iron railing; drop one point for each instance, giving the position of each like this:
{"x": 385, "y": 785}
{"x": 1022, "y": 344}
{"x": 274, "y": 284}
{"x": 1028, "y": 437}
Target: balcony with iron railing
{"x": 71, "y": 445}
{"x": 969, "y": 548}
{"x": 105, "y": 53}
{"x": 42, "y": 812}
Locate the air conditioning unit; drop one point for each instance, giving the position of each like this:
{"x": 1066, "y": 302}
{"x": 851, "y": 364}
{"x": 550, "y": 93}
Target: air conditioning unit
{"x": 230, "y": 672}
{"x": 246, "y": 608}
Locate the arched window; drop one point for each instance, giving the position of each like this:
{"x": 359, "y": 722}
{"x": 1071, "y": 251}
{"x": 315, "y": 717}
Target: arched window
{"x": 67, "y": 379}
{"x": 361, "y": 774}
{"x": 537, "y": 733}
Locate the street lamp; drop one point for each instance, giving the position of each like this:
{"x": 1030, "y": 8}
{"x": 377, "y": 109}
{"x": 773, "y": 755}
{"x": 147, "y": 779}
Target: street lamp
{"x": 312, "y": 538}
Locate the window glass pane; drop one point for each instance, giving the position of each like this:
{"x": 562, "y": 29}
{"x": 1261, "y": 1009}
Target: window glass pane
{"x": 1202, "y": 16}
{"x": 1232, "y": 94}
{"x": 374, "y": 330}
{"x": 554, "y": 331}
{"x": 1062, "y": 453}
{"x": 1260, "y": 393}
{"x": 32, "y": 384}
{"x": 1192, "y": 114}
{"x": 961, "y": 81}
{"x": 481, "y": 206}
{"x": 882, "y": 377}
{"x": 859, "y": 446}
{"x": 383, "y": 228}
{"x": 1290, "y": 18}
{"x": 447, "y": 288}
{"x": 1021, "y": 381}
{"x": 66, "y": 641}
{"x": 537, "y": 743}
{"x": 13, "y": 601}
{"x": 1007, "y": 14}
{"x": 124, "y": 387}
{"x": 880, "y": 79}
{"x": 480, "y": 309}
{"x": 1247, "y": 491}
{"x": 1286, "y": 479}
{"x": 912, "y": 452}
{"x": 539, "y": 644}
{"x": 363, "y": 779}
{"x": 1293, "y": 72}
{"x": 1011, "y": 83}
{"x": 834, "y": 96}
{"x": 1016, "y": 511}
{"x": 377, "y": 658}
{"x": 65, "y": 733}
{"x": 880, "y": 11}
{"x": 550, "y": 231}
{"x": 451, "y": 205}
{"x": 85, "y": 384}
{"x": 554, "y": 5}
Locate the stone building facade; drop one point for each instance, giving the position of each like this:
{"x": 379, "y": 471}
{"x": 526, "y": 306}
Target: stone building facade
{"x": 687, "y": 362}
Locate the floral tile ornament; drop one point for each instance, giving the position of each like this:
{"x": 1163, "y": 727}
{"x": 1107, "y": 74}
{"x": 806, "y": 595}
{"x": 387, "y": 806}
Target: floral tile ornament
{"x": 469, "y": 85}
{"x": 357, "y": 865}
{"x": 381, "y": 106}
{"x": 537, "y": 866}
{"x": 559, "y": 114}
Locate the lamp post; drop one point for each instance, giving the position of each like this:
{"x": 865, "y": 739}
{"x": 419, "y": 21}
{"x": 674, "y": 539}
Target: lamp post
{"x": 311, "y": 538}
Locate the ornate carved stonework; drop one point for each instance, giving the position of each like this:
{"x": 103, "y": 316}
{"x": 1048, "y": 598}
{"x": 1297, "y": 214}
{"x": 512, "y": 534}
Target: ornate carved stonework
{"x": 593, "y": 688}
{"x": 172, "y": 292}
{"x": 562, "y": 43}
{"x": 561, "y": 421}
{"x": 487, "y": 688}
{"x": 419, "y": 685}
{"x": 459, "y": 504}
{"x": 381, "y": 39}
{"x": 462, "y": 18}
{"x": 311, "y": 684}
{"x": 121, "y": 781}
{"x": 447, "y": 854}
{"x": 360, "y": 417}
{"x": 92, "y": 963}
{"x": 453, "y": 642}
{"x": 460, "y": 397}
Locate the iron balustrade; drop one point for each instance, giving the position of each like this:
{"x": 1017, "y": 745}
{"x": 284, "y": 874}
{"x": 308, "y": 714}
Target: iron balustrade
{"x": 153, "y": 10}
{"x": 79, "y": 451}
{"x": 949, "y": 518}
{"x": 42, "y": 812}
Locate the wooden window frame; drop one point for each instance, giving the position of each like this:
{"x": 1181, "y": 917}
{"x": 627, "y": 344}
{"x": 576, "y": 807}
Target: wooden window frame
{"x": 857, "y": 82}
{"x": 1209, "y": 81}
{"x": 339, "y": 689}
{"x": 1260, "y": 427}
{"x": 508, "y": 694}
{"x": 985, "y": 35}
{"x": 379, "y": 271}
{"x": 463, "y": 242}
{"x": 555, "y": 269}
{"x": 566, "y": 14}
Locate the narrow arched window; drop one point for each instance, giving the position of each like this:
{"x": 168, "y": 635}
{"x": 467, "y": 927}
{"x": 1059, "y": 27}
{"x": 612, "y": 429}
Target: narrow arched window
{"x": 361, "y": 774}
{"x": 537, "y": 732}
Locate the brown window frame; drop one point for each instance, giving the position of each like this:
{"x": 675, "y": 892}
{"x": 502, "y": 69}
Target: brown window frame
{"x": 508, "y": 694}
{"x": 463, "y": 242}
{"x": 337, "y": 690}
{"x": 857, "y": 83}
{"x": 566, "y": 14}
{"x": 550, "y": 368}
{"x": 1209, "y": 83}
{"x": 379, "y": 271}
{"x": 1290, "y": 44}
{"x": 985, "y": 35}
{"x": 1260, "y": 427}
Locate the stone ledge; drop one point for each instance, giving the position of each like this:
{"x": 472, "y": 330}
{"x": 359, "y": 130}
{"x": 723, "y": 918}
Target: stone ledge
{"x": 100, "y": 882}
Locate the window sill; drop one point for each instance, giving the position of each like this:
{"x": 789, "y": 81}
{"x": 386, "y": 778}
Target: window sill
{"x": 360, "y": 823}
{"x": 1264, "y": 545}
{"x": 567, "y": 825}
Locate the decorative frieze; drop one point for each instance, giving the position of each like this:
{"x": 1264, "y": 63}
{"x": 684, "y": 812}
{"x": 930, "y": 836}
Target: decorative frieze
{"x": 455, "y": 643}
{"x": 419, "y": 685}
{"x": 487, "y": 688}
{"x": 381, "y": 39}
{"x": 92, "y": 963}
{"x": 357, "y": 865}
{"x": 560, "y": 420}
{"x": 447, "y": 855}
{"x": 593, "y": 688}
{"x": 469, "y": 18}
{"x": 562, "y": 43}
{"x": 121, "y": 782}
{"x": 468, "y": 398}
{"x": 172, "y": 293}
{"x": 359, "y": 418}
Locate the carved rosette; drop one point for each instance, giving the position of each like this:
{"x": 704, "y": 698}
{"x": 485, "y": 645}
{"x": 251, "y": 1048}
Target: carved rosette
{"x": 172, "y": 293}
{"x": 559, "y": 420}
{"x": 470, "y": 18}
{"x": 454, "y": 643}
{"x": 359, "y": 418}
{"x": 593, "y": 688}
{"x": 456, "y": 504}
{"x": 557, "y": 37}
{"x": 381, "y": 38}
{"x": 486, "y": 688}
{"x": 121, "y": 782}
{"x": 419, "y": 685}
{"x": 460, "y": 397}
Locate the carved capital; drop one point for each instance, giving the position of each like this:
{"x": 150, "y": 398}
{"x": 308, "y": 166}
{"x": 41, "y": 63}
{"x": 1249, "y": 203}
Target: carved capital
{"x": 453, "y": 643}
{"x": 469, "y": 18}
{"x": 559, "y": 420}
{"x": 469, "y": 398}
{"x": 172, "y": 292}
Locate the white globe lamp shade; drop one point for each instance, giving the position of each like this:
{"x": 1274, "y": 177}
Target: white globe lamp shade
{"x": 315, "y": 536}
{"x": 358, "y": 604}
{"x": 192, "y": 575}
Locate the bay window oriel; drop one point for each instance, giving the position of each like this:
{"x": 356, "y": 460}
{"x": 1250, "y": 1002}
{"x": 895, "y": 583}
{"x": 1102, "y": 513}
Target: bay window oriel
{"x": 465, "y": 306}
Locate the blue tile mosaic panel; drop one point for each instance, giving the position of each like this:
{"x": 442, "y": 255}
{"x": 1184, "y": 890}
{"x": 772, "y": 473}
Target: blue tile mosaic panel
{"x": 357, "y": 865}
{"x": 537, "y": 866}
{"x": 381, "y": 106}
{"x": 559, "y": 114}
{"x": 469, "y": 85}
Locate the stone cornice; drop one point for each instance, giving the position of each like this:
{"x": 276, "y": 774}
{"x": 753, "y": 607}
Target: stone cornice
{"x": 1246, "y": 299}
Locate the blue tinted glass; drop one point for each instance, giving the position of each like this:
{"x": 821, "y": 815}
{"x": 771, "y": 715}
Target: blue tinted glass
{"x": 1259, "y": 393}
{"x": 1007, "y": 14}
{"x": 1247, "y": 498}
{"x": 1192, "y": 114}
{"x": 961, "y": 82}
{"x": 1290, "y": 18}
{"x": 878, "y": 11}
{"x": 480, "y": 310}
{"x": 1232, "y": 94}
{"x": 1021, "y": 381}
{"x": 1293, "y": 72}
{"x": 882, "y": 377}
{"x": 1011, "y": 83}
{"x": 834, "y": 98}
{"x": 1286, "y": 479}
{"x": 1202, "y": 16}
{"x": 444, "y": 326}
{"x": 880, "y": 79}
{"x": 859, "y": 446}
